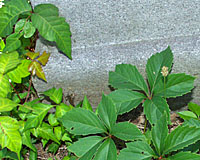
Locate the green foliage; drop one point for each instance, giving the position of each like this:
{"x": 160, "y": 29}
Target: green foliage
{"x": 159, "y": 87}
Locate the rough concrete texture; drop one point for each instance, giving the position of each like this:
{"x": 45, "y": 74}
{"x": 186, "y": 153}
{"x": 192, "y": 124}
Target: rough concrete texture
{"x": 109, "y": 32}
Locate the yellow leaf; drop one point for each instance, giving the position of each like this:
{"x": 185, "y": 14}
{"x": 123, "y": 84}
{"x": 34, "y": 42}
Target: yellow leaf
{"x": 44, "y": 58}
{"x": 32, "y": 55}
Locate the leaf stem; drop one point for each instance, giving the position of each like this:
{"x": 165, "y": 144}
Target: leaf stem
{"x": 29, "y": 88}
{"x": 145, "y": 125}
{"x": 165, "y": 87}
{"x": 16, "y": 92}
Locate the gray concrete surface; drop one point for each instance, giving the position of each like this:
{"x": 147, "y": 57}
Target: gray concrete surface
{"x": 109, "y": 32}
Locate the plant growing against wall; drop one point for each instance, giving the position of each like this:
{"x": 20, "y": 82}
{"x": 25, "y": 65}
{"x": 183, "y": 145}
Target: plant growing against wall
{"x": 131, "y": 88}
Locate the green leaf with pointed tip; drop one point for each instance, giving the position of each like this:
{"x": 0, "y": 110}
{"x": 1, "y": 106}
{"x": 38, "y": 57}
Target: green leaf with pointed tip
{"x": 46, "y": 17}
{"x": 176, "y": 85}
{"x": 52, "y": 120}
{"x": 181, "y": 137}
{"x": 86, "y": 147}
{"x": 6, "y": 104}
{"x": 126, "y": 100}
{"x": 127, "y": 131}
{"x": 9, "y": 134}
{"x": 159, "y": 133}
{"x": 155, "y": 64}
{"x": 86, "y": 104}
{"x": 20, "y": 72}
{"x": 155, "y": 108}
{"x": 8, "y": 61}
{"x": 194, "y": 108}
{"x": 12, "y": 42}
{"x": 127, "y": 76}
{"x": 10, "y": 14}
{"x": 184, "y": 155}
{"x": 5, "y": 87}
{"x": 2, "y": 45}
{"x": 35, "y": 118}
{"x": 26, "y": 140}
{"x": 46, "y": 132}
{"x": 80, "y": 121}
{"x": 62, "y": 109}
{"x": 107, "y": 112}
{"x": 58, "y": 132}
{"x": 186, "y": 115}
{"x": 54, "y": 94}
{"x": 138, "y": 150}
{"x": 106, "y": 151}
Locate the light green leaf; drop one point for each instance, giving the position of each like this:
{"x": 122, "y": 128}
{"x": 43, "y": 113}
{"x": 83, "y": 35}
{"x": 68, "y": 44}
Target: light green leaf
{"x": 10, "y": 14}
{"x": 46, "y": 18}
{"x": 155, "y": 108}
{"x": 62, "y": 109}
{"x": 66, "y": 137}
{"x": 186, "y": 115}
{"x": 35, "y": 118}
{"x": 9, "y": 134}
{"x": 46, "y": 132}
{"x": 192, "y": 123}
{"x": 6, "y": 104}
{"x": 8, "y": 61}
{"x": 29, "y": 30}
{"x": 184, "y": 156}
{"x": 54, "y": 94}
{"x": 106, "y": 151}
{"x": 127, "y": 76}
{"x": 176, "y": 85}
{"x": 58, "y": 132}
{"x": 52, "y": 120}
{"x": 138, "y": 150}
{"x": 12, "y": 42}
{"x": 86, "y": 104}
{"x": 155, "y": 64}
{"x": 159, "y": 133}
{"x": 20, "y": 72}
{"x": 107, "y": 112}
{"x": 26, "y": 140}
{"x": 85, "y": 146}
{"x": 5, "y": 87}
{"x": 127, "y": 131}
{"x": 194, "y": 108}
{"x": 20, "y": 25}
{"x": 2, "y": 45}
{"x": 181, "y": 137}
{"x": 80, "y": 121}
{"x": 126, "y": 100}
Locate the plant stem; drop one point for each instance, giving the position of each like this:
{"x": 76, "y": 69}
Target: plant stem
{"x": 145, "y": 125}
{"x": 164, "y": 87}
{"x": 16, "y": 92}
{"x": 29, "y": 88}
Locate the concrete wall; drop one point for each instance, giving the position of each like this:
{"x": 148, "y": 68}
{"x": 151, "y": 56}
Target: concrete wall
{"x": 109, "y": 32}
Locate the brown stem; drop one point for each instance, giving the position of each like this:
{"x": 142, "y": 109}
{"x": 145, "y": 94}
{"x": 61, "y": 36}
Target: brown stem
{"x": 16, "y": 92}
{"x": 29, "y": 88}
{"x": 145, "y": 125}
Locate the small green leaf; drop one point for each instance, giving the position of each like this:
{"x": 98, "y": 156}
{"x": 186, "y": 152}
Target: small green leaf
{"x": 86, "y": 104}
{"x": 80, "y": 121}
{"x": 186, "y": 115}
{"x": 66, "y": 137}
{"x": 53, "y": 148}
{"x": 20, "y": 25}
{"x": 155, "y": 108}
{"x": 52, "y": 120}
{"x": 194, "y": 108}
{"x": 2, "y": 45}
{"x": 26, "y": 140}
{"x": 106, "y": 151}
{"x": 176, "y": 85}
{"x": 127, "y": 131}
{"x": 58, "y": 132}
{"x": 85, "y": 146}
{"x": 9, "y": 134}
{"x": 127, "y": 76}
{"x": 12, "y": 42}
{"x": 181, "y": 137}
{"x": 29, "y": 30}
{"x": 54, "y": 94}
{"x": 33, "y": 155}
{"x": 6, "y": 104}
{"x": 184, "y": 156}
{"x": 5, "y": 153}
{"x": 159, "y": 134}
{"x": 138, "y": 150}
{"x": 5, "y": 87}
{"x": 107, "y": 112}
{"x": 62, "y": 109}
{"x": 155, "y": 64}
{"x": 126, "y": 100}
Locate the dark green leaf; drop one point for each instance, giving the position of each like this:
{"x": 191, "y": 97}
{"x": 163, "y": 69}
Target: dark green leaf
{"x": 32, "y": 155}
{"x": 80, "y": 121}
{"x": 127, "y": 76}
{"x": 155, "y": 108}
{"x": 127, "y": 131}
{"x": 184, "y": 156}
{"x": 194, "y": 108}
{"x": 12, "y": 42}
{"x": 107, "y": 112}
{"x": 53, "y": 148}
{"x": 126, "y": 100}
{"x": 155, "y": 64}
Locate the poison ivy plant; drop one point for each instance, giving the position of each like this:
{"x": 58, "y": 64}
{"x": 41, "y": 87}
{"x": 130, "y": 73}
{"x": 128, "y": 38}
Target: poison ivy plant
{"x": 163, "y": 145}
{"x": 99, "y": 131}
{"x": 131, "y": 88}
